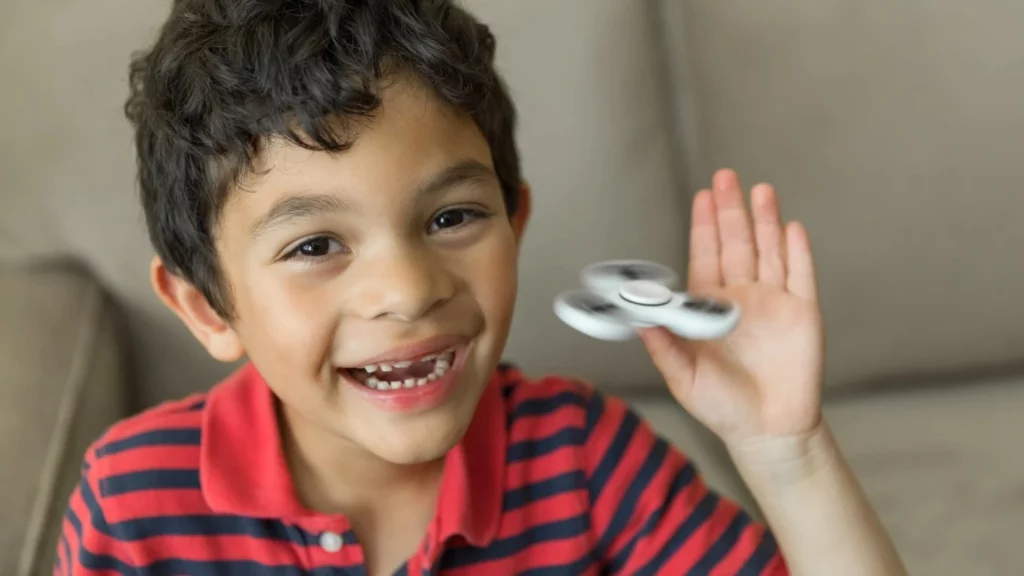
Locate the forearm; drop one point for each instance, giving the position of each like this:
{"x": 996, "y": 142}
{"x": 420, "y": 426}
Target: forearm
{"x": 816, "y": 508}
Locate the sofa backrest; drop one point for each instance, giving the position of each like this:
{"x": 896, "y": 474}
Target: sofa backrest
{"x": 895, "y": 130}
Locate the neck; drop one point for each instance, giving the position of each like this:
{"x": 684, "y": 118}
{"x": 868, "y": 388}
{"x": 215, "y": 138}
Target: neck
{"x": 333, "y": 475}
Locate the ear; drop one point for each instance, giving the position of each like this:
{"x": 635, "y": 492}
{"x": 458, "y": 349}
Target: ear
{"x": 522, "y": 215}
{"x": 191, "y": 306}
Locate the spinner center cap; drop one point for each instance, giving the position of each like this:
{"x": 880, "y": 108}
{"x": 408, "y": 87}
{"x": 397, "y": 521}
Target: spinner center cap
{"x": 645, "y": 293}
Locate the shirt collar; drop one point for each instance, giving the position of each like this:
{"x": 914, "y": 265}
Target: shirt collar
{"x": 243, "y": 470}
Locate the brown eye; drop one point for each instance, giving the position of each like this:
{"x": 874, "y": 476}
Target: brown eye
{"x": 316, "y": 248}
{"x": 455, "y": 218}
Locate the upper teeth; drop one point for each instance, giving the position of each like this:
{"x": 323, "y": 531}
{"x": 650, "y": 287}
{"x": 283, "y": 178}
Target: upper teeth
{"x": 442, "y": 363}
{"x": 389, "y": 366}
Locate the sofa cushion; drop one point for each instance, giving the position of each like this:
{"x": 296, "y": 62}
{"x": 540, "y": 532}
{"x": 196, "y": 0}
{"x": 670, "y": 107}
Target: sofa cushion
{"x": 943, "y": 466}
{"x": 61, "y": 385}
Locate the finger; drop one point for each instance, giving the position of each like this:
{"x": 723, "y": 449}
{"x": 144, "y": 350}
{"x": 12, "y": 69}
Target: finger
{"x": 672, "y": 359}
{"x": 769, "y": 236}
{"x": 704, "y": 272}
{"x": 738, "y": 253}
{"x": 800, "y": 277}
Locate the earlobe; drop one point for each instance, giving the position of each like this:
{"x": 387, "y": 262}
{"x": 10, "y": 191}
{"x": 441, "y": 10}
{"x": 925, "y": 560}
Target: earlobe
{"x": 522, "y": 215}
{"x": 191, "y": 306}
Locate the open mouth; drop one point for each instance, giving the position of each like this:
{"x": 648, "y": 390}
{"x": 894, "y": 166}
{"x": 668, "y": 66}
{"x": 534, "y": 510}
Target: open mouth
{"x": 411, "y": 373}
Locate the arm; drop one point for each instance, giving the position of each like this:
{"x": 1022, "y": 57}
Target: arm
{"x": 759, "y": 389}
{"x": 652, "y": 512}
{"x": 817, "y": 510}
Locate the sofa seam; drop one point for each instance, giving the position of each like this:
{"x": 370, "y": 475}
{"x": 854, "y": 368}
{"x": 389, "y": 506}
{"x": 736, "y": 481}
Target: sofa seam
{"x": 81, "y": 361}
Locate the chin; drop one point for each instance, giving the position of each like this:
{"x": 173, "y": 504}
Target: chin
{"x": 417, "y": 446}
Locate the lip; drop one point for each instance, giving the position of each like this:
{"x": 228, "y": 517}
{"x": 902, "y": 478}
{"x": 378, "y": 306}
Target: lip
{"x": 414, "y": 350}
{"x": 419, "y": 398}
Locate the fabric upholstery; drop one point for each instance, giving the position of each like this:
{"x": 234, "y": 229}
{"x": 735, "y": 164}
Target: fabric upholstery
{"x": 893, "y": 130}
{"x": 61, "y": 384}
{"x": 944, "y": 468}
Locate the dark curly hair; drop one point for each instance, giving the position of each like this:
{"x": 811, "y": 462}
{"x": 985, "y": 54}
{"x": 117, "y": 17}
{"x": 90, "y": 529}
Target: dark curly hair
{"x": 225, "y": 75}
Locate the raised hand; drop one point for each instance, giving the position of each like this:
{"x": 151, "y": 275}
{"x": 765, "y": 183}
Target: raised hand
{"x": 763, "y": 380}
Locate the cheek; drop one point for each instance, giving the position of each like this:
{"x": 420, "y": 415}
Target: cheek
{"x": 290, "y": 318}
{"x": 493, "y": 279}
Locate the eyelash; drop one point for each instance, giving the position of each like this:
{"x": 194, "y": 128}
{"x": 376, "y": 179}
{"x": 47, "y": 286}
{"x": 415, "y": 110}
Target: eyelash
{"x": 296, "y": 254}
{"x": 471, "y": 215}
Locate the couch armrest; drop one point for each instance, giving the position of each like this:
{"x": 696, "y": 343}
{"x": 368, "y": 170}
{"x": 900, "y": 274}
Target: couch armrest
{"x": 61, "y": 385}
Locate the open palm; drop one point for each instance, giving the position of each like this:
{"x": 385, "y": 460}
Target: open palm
{"x": 763, "y": 380}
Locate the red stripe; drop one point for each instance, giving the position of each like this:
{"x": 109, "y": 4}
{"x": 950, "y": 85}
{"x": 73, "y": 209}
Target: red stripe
{"x": 149, "y": 504}
{"x": 738, "y": 555}
{"x": 565, "y": 458}
{"x": 151, "y": 458}
{"x": 167, "y": 415}
{"x": 607, "y": 503}
{"x": 532, "y": 427}
{"x": 694, "y": 548}
{"x": 213, "y": 548}
{"x": 92, "y": 540}
{"x": 548, "y": 510}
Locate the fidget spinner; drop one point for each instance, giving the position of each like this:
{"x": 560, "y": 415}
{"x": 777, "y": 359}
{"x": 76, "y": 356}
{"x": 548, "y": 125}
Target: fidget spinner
{"x": 619, "y": 296}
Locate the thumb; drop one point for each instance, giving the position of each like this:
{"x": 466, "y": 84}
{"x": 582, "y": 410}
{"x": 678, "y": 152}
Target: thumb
{"x": 672, "y": 357}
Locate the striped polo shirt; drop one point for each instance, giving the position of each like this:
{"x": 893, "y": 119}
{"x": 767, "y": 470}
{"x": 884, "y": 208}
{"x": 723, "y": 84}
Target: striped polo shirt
{"x": 552, "y": 478}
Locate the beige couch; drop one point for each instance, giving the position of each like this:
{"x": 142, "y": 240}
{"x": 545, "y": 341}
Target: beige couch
{"x": 892, "y": 129}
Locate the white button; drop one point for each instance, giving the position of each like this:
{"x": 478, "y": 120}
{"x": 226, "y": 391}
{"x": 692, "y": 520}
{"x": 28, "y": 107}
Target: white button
{"x": 331, "y": 541}
{"x": 646, "y": 293}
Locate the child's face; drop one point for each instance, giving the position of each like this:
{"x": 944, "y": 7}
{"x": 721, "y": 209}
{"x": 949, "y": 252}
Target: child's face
{"x": 338, "y": 261}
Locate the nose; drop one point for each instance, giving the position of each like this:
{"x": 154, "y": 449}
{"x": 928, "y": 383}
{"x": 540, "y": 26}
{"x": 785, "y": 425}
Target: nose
{"x": 404, "y": 284}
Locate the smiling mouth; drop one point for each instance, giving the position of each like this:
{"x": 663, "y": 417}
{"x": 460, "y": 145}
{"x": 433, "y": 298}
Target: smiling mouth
{"x": 402, "y": 374}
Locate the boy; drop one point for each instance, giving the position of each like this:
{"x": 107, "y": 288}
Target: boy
{"x": 333, "y": 191}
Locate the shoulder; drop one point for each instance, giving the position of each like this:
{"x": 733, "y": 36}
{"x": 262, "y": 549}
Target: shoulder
{"x": 556, "y": 411}
{"x": 150, "y": 450}
{"x": 171, "y": 423}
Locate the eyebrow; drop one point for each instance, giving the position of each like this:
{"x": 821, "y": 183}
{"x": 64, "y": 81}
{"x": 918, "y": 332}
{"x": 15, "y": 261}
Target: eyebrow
{"x": 294, "y": 208}
{"x": 457, "y": 174}
{"x": 306, "y": 205}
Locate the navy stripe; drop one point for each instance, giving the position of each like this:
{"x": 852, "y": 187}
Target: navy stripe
{"x": 403, "y": 571}
{"x": 177, "y": 567}
{"x": 528, "y": 449}
{"x": 683, "y": 532}
{"x": 72, "y": 519}
{"x": 724, "y": 543}
{"x": 87, "y": 559}
{"x": 616, "y": 452}
{"x": 577, "y": 567}
{"x": 458, "y": 557}
{"x": 560, "y": 484}
{"x": 759, "y": 560}
{"x": 167, "y": 437}
{"x": 64, "y": 561}
{"x": 166, "y": 479}
{"x": 198, "y": 406}
{"x": 214, "y": 525}
{"x": 683, "y": 478}
{"x": 627, "y": 505}
{"x": 543, "y": 406}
